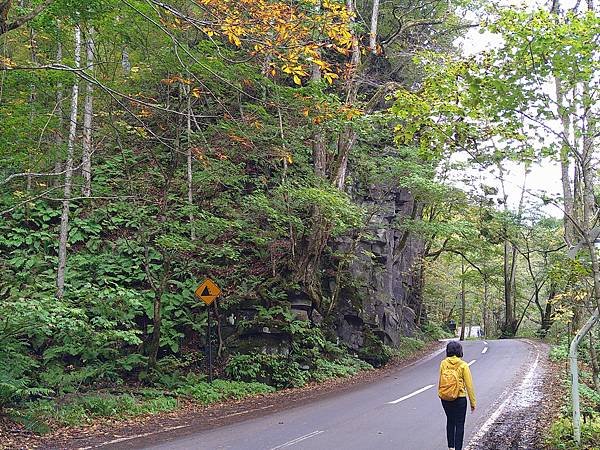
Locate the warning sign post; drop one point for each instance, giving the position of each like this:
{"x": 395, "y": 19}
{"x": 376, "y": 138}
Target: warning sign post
{"x": 208, "y": 292}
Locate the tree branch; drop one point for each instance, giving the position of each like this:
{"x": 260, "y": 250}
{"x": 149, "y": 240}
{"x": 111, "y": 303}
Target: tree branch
{"x": 19, "y": 21}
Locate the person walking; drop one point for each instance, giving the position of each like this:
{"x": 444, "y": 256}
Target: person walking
{"x": 454, "y": 385}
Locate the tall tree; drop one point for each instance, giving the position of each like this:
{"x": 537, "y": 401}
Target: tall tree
{"x": 88, "y": 115}
{"x": 66, "y": 201}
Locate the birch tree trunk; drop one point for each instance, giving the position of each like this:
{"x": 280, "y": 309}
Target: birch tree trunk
{"x": 189, "y": 163}
{"x": 60, "y": 113}
{"x": 64, "y": 220}
{"x": 373, "y": 34}
{"x": 88, "y": 114}
{"x": 125, "y": 63}
{"x": 32, "y": 98}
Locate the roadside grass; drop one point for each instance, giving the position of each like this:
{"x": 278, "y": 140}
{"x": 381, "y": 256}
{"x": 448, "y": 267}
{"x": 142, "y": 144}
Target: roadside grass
{"x": 560, "y": 435}
{"x": 220, "y": 390}
{"x": 41, "y": 416}
{"x": 408, "y": 347}
{"x": 44, "y": 415}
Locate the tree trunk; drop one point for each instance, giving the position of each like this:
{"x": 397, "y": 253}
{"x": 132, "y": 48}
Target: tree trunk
{"x": 190, "y": 186}
{"x": 568, "y": 199}
{"x": 88, "y": 114}
{"x": 484, "y": 307}
{"x": 60, "y": 113}
{"x": 64, "y": 220}
{"x": 156, "y": 328}
{"x": 509, "y": 313}
{"x": 463, "y": 305}
{"x": 585, "y": 161}
{"x": 125, "y": 64}
{"x": 373, "y": 34}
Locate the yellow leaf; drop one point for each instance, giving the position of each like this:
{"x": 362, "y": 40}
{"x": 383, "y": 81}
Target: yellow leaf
{"x": 297, "y": 80}
{"x": 6, "y": 62}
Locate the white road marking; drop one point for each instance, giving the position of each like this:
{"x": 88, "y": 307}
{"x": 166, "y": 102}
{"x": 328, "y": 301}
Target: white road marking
{"x": 484, "y": 350}
{"x": 411, "y": 395}
{"x": 298, "y": 439}
{"x": 248, "y": 411}
{"x": 485, "y": 342}
{"x": 472, "y": 362}
{"x": 128, "y": 438}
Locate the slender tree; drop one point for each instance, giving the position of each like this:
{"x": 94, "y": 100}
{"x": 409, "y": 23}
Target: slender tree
{"x": 64, "y": 220}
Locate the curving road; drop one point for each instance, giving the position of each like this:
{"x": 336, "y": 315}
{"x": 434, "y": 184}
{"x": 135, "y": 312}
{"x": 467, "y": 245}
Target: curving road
{"x": 401, "y": 411}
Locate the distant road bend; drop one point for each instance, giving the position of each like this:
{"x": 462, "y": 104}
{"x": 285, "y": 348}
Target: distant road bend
{"x": 399, "y": 411}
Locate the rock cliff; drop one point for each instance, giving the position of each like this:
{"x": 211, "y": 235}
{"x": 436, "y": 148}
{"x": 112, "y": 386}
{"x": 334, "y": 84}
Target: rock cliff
{"x": 382, "y": 294}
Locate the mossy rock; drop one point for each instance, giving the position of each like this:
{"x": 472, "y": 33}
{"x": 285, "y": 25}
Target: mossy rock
{"x": 373, "y": 350}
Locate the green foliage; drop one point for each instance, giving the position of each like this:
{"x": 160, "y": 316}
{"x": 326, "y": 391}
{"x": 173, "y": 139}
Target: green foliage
{"x": 339, "y": 368}
{"x": 561, "y": 434}
{"x": 40, "y": 415}
{"x": 373, "y": 351}
{"x": 435, "y": 331}
{"x": 406, "y": 348}
{"x": 220, "y": 390}
{"x": 559, "y": 352}
{"x": 283, "y": 372}
{"x": 276, "y": 370}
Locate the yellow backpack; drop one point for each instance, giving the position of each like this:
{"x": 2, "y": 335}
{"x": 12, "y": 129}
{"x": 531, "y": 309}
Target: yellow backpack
{"x": 449, "y": 386}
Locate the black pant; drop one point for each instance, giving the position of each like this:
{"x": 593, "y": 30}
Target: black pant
{"x": 456, "y": 411}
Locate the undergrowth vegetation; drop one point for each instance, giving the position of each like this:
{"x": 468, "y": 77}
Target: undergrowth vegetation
{"x": 560, "y": 436}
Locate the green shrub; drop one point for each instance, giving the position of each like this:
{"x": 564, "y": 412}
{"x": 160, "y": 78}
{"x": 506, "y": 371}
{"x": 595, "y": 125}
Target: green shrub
{"x": 561, "y": 434}
{"x": 276, "y": 370}
{"x": 406, "y": 348}
{"x": 435, "y": 331}
{"x": 245, "y": 367}
{"x": 342, "y": 367}
{"x": 41, "y": 415}
{"x": 220, "y": 390}
{"x": 559, "y": 352}
{"x": 17, "y": 370}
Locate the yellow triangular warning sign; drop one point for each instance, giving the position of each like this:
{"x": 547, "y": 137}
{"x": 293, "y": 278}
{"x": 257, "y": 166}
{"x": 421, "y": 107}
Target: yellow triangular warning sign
{"x": 208, "y": 291}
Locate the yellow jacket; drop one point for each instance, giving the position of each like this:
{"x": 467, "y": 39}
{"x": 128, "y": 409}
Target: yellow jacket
{"x": 464, "y": 372}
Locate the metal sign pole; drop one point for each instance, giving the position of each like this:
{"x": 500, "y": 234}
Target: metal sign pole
{"x": 208, "y": 292}
{"x": 209, "y": 343}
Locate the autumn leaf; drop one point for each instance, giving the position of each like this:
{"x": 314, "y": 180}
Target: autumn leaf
{"x": 6, "y": 62}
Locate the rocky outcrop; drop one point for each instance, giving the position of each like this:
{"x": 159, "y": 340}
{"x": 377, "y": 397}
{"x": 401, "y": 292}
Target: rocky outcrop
{"x": 382, "y": 292}
{"x": 380, "y": 295}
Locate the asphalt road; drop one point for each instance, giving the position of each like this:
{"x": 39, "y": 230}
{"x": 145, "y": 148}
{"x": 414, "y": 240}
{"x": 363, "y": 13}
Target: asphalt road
{"x": 401, "y": 411}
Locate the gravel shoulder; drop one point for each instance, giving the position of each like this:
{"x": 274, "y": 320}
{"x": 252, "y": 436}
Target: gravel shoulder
{"x": 525, "y": 413}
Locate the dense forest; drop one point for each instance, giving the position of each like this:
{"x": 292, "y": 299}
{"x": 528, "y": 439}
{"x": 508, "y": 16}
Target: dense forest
{"x": 342, "y": 169}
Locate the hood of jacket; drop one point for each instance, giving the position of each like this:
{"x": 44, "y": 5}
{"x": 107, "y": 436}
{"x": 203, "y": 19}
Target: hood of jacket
{"x": 454, "y": 362}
